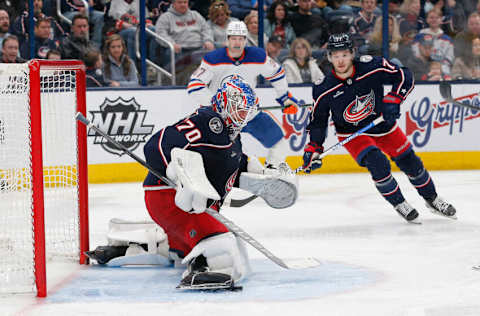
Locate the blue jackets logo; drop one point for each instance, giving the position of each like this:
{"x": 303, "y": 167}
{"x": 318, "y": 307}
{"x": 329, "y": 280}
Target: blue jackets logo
{"x": 123, "y": 120}
{"x": 360, "y": 108}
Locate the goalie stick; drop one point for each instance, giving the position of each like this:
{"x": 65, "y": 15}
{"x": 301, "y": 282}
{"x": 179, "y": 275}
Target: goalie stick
{"x": 446, "y": 93}
{"x": 292, "y": 264}
{"x": 240, "y": 203}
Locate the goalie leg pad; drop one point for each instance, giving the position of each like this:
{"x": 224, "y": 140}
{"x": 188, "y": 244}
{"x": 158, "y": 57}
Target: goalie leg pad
{"x": 224, "y": 253}
{"x": 278, "y": 191}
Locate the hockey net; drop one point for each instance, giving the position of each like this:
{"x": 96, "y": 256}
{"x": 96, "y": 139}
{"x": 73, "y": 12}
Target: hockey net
{"x": 43, "y": 171}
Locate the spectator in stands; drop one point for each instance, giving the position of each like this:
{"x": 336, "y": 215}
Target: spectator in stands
{"x": 309, "y": 25}
{"x": 13, "y": 8}
{"x": 157, "y": 8}
{"x": 42, "y": 41}
{"x": 94, "y": 73}
{"x": 186, "y": 29}
{"x": 76, "y": 45}
{"x": 240, "y": 8}
{"x": 4, "y": 25}
{"x": 300, "y": 67}
{"x": 251, "y": 20}
{"x": 274, "y": 47}
{"x": 467, "y": 66}
{"x": 218, "y": 20}
{"x": 118, "y": 69}
{"x": 394, "y": 7}
{"x": 277, "y": 23}
{"x": 410, "y": 17}
{"x": 454, "y": 18}
{"x": 10, "y": 47}
{"x": 420, "y": 64}
{"x": 464, "y": 39}
{"x": 123, "y": 17}
{"x": 54, "y": 54}
{"x": 442, "y": 44}
{"x": 376, "y": 37}
{"x": 70, "y": 8}
{"x": 365, "y": 21}
{"x": 20, "y": 26}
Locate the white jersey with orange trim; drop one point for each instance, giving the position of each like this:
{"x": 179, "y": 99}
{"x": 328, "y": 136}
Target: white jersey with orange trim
{"x": 217, "y": 65}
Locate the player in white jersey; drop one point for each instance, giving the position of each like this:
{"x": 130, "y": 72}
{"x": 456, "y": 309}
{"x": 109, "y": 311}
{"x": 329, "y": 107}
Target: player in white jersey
{"x": 248, "y": 63}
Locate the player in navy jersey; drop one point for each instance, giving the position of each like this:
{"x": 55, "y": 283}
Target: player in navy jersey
{"x": 353, "y": 96}
{"x": 249, "y": 63}
{"x": 202, "y": 154}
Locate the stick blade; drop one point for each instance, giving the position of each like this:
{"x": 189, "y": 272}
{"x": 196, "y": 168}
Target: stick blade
{"x": 445, "y": 90}
{"x": 302, "y": 263}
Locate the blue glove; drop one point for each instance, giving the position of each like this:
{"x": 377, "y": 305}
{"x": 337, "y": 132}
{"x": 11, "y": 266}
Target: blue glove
{"x": 391, "y": 106}
{"x": 311, "y": 157}
{"x": 289, "y": 103}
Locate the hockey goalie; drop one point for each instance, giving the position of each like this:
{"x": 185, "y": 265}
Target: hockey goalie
{"x": 202, "y": 154}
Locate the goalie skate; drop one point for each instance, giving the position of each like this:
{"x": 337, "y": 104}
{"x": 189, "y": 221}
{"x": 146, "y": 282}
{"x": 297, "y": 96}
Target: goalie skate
{"x": 103, "y": 254}
{"x": 441, "y": 207}
{"x": 208, "y": 281}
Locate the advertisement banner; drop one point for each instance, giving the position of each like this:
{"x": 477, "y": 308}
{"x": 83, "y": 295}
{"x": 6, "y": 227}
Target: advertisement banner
{"x": 132, "y": 116}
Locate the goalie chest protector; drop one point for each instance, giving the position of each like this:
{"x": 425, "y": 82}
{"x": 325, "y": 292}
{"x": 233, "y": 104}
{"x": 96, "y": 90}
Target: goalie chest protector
{"x": 204, "y": 132}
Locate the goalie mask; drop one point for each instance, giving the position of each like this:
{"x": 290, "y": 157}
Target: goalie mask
{"x": 237, "y": 104}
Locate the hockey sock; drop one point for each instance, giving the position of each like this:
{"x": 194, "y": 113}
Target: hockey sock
{"x": 379, "y": 167}
{"x": 418, "y": 176}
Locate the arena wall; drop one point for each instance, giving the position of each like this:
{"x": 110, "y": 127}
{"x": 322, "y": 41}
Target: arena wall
{"x": 444, "y": 135}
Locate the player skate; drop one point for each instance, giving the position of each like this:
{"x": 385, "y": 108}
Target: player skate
{"x": 406, "y": 211}
{"x": 441, "y": 207}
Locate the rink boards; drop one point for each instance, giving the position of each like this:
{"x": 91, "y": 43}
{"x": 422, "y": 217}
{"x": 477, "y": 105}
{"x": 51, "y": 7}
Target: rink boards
{"x": 444, "y": 135}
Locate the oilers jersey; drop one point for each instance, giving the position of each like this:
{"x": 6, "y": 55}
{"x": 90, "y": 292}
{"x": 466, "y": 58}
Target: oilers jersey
{"x": 356, "y": 101}
{"x": 204, "y": 132}
{"x": 217, "y": 65}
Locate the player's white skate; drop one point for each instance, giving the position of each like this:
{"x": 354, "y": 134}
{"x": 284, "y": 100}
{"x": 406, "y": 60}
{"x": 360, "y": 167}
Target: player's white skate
{"x": 407, "y": 211}
{"x": 441, "y": 207}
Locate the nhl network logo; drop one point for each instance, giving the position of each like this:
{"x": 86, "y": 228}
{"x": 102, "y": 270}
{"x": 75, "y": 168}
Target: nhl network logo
{"x": 123, "y": 121}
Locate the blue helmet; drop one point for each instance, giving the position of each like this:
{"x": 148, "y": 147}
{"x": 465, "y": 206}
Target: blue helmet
{"x": 236, "y": 102}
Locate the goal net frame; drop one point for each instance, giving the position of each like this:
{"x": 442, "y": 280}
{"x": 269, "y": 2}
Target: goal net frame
{"x": 37, "y": 164}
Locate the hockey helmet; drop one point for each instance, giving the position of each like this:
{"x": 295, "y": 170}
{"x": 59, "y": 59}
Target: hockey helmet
{"x": 236, "y": 102}
{"x": 237, "y": 28}
{"x": 339, "y": 41}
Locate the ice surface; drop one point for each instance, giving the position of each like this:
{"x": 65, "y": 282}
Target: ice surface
{"x": 373, "y": 262}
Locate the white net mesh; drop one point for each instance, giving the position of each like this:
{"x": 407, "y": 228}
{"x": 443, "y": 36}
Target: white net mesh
{"x": 58, "y": 107}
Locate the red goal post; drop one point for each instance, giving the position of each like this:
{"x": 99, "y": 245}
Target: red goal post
{"x": 43, "y": 171}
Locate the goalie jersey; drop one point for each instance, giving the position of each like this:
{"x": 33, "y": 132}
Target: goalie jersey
{"x": 217, "y": 65}
{"x": 356, "y": 101}
{"x": 204, "y": 132}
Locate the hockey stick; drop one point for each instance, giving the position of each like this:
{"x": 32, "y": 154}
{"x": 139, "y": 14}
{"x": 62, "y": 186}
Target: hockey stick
{"x": 446, "y": 93}
{"x": 294, "y": 264}
{"x": 277, "y": 107}
{"x": 240, "y": 203}
{"x": 375, "y": 122}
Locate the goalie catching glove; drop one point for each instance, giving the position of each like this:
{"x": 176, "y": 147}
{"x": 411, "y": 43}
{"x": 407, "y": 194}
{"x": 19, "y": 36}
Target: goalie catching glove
{"x": 278, "y": 187}
{"x": 193, "y": 187}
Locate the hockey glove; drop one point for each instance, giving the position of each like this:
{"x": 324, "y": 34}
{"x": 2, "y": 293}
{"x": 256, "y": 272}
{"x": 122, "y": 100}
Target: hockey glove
{"x": 311, "y": 157}
{"x": 391, "y": 106}
{"x": 289, "y": 103}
